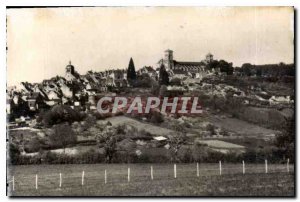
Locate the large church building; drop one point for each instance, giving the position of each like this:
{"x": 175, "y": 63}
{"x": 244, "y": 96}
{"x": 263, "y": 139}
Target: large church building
{"x": 183, "y": 66}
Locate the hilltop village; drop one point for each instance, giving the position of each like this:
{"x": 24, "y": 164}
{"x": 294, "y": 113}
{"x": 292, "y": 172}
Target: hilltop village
{"x": 82, "y": 91}
{"x": 244, "y": 109}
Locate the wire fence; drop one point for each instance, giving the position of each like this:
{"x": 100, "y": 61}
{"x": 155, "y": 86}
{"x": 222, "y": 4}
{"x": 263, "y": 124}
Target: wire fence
{"x": 133, "y": 173}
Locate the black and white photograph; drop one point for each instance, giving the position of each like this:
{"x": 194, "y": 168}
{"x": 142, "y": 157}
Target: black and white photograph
{"x": 150, "y": 101}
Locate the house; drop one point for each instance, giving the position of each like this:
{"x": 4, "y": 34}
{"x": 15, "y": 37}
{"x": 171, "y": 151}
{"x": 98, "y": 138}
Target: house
{"x": 35, "y": 101}
{"x": 147, "y": 70}
{"x": 116, "y": 78}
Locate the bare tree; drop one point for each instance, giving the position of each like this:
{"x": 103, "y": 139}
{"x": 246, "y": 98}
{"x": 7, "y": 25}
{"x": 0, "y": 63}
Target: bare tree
{"x": 176, "y": 141}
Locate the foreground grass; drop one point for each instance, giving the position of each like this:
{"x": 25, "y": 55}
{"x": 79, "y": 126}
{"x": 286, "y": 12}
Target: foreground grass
{"x": 232, "y": 182}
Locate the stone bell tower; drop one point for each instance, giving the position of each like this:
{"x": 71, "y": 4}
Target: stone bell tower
{"x": 70, "y": 68}
{"x": 168, "y": 59}
{"x": 209, "y": 58}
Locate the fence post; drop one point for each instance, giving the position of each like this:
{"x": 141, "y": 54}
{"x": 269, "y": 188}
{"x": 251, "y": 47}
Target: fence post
{"x": 243, "y": 167}
{"x": 105, "y": 177}
{"x": 220, "y": 165}
{"x": 287, "y": 165}
{"x": 36, "y": 181}
{"x": 13, "y": 183}
{"x": 197, "y": 169}
{"x": 82, "y": 178}
{"x": 151, "y": 173}
{"x": 128, "y": 174}
{"x": 266, "y": 165}
{"x": 60, "y": 180}
{"x": 175, "y": 171}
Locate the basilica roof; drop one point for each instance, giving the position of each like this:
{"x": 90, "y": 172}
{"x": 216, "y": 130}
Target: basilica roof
{"x": 188, "y": 66}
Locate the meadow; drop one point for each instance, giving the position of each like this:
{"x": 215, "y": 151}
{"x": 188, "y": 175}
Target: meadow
{"x": 209, "y": 182}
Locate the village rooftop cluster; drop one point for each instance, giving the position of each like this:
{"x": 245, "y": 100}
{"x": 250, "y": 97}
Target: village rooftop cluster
{"x": 83, "y": 91}
{"x": 167, "y": 78}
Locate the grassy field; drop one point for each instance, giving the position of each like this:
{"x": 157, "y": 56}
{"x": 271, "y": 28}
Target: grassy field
{"x": 153, "y": 129}
{"x": 241, "y": 127}
{"x": 277, "y": 182}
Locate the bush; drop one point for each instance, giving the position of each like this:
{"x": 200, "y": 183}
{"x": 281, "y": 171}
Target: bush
{"x": 60, "y": 114}
{"x": 89, "y": 122}
{"x": 62, "y": 136}
{"x": 199, "y": 153}
{"x": 14, "y": 154}
{"x": 176, "y": 82}
{"x": 34, "y": 145}
{"x": 163, "y": 90}
{"x": 156, "y": 117}
{"x": 102, "y": 116}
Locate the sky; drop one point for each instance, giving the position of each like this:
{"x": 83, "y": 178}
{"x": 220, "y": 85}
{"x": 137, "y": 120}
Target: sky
{"x": 42, "y": 41}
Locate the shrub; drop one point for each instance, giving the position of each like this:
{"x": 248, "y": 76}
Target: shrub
{"x": 62, "y": 136}
{"x": 156, "y": 117}
{"x": 60, "y": 114}
{"x": 14, "y": 154}
{"x": 199, "y": 152}
{"x": 34, "y": 145}
{"x": 102, "y": 116}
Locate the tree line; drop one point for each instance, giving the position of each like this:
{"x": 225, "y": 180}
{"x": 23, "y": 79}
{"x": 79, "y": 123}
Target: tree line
{"x": 267, "y": 70}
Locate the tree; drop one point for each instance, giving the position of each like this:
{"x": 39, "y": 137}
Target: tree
{"x": 156, "y": 117}
{"x": 107, "y": 137}
{"x": 258, "y": 72}
{"x": 14, "y": 153}
{"x": 226, "y": 67}
{"x": 62, "y": 136}
{"x": 200, "y": 152}
{"x": 163, "y": 75}
{"x": 131, "y": 74}
{"x": 286, "y": 140}
{"x": 162, "y": 91}
{"x": 213, "y": 64}
{"x": 60, "y": 114}
{"x": 34, "y": 145}
{"x": 175, "y": 142}
{"x": 246, "y": 69}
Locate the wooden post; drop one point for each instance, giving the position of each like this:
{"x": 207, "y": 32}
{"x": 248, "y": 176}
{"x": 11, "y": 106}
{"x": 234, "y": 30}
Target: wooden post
{"x": 128, "y": 174}
{"x": 60, "y": 180}
{"x": 220, "y": 165}
{"x": 13, "y": 183}
{"x": 175, "y": 171}
{"x": 151, "y": 173}
{"x": 243, "y": 167}
{"x": 288, "y": 165}
{"x": 197, "y": 169}
{"x": 266, "y": 166}
{"x": 105, "y": 177}
{"x": 36, "y": 181}
{"x": 82, "y": 178}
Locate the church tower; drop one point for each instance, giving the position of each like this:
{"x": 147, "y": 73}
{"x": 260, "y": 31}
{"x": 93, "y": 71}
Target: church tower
{"x": 70, "y": 68}
{"x": 168, "y": 59}
{"x": 70, "y": 72}
{"x": 209, "y": 58}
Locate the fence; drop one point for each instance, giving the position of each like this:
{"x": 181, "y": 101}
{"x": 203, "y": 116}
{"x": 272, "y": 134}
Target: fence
{"x": 23, "y": 181}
